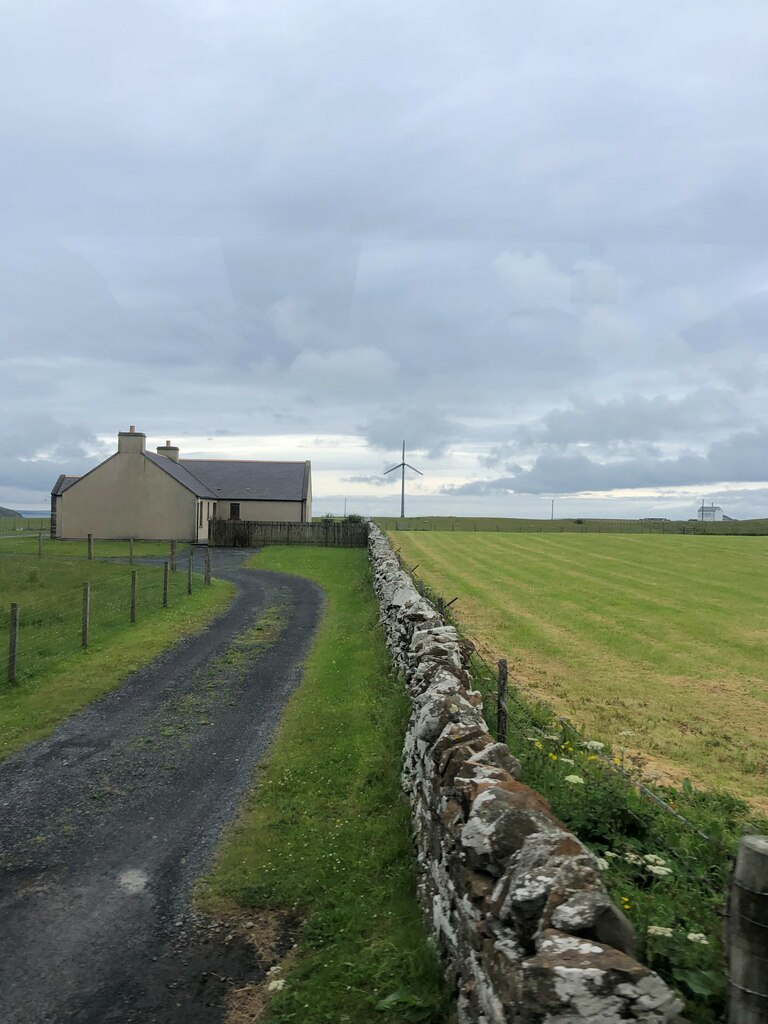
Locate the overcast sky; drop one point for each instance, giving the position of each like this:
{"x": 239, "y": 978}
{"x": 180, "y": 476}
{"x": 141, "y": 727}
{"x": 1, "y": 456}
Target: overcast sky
{"x": 531, "y": 238}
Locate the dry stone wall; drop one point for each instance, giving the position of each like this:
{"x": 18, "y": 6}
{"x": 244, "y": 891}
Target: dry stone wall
{"x": 516, "y": 903}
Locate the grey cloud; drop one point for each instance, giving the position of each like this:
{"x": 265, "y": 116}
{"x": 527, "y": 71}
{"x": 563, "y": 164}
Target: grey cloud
{"x": 739, "y": 458}
{"x": 422, "y": 429}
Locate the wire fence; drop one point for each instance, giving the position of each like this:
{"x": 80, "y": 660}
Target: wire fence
{"x": 20, "y": 524}
{"x": 40, "y": 632}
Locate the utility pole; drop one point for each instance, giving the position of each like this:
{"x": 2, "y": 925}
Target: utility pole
{"x": 402, "y": 466}
{"x": 552, "y": 515}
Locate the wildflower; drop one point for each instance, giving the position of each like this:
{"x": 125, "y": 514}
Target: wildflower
{"x": 616, "y": 761}
{"x": 593, "y": 745}
{"x": 627, "y": 732}
{"x": 552, "y": 757}
{"x": 602, "y": 863}
{"x": 576, "y": 780}
{"x": 698, "y": 937}
{"x": 659, "y": 870}
{"x": 537, "y": 744}
{"x": 633, "y": 858}
{"x": 653, "y": 858}
{"x": 567, "y": 760}
{"x": 625, "y": 904}
{"x": 593, "y": 757}
{"x": 611, "y": 855}
{"x": 657, "y": 929}
{"x": 276, "y": 985}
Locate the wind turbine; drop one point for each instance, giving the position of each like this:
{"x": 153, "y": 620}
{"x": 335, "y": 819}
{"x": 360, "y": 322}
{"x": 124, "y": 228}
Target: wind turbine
{"x": 402, "y": 466}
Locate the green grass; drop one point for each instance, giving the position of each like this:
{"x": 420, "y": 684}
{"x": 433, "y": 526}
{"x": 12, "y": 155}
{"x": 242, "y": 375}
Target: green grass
{"x": 28, "y": 545}
{"x": 55, "y": 675}
{"x": 490, "y": 524}
{"x": 12, "y": 524}
{"x": 327, "y": 829}
{"x": 655, "y": 644}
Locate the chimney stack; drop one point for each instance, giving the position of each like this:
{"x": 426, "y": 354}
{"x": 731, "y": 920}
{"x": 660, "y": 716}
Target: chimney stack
{"x": 169, "y": 450}
{"x": 131, "y": 441}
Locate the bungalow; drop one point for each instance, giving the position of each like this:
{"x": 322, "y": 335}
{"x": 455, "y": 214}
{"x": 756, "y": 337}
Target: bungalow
{"x": 156, "y": 496}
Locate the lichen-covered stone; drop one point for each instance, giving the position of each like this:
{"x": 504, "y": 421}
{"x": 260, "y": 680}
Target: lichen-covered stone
{"x": 516, "y": 903}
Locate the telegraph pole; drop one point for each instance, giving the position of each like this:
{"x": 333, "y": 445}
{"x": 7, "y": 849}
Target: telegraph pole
{"x": 402, "y": 466}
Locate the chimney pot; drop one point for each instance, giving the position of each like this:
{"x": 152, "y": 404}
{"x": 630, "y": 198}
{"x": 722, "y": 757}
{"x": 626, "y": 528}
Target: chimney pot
{"x": 132, "y": 429}
{"x": 167, "y": 444}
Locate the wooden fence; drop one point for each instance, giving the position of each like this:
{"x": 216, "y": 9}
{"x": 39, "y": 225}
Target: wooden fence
{"x": 242, "y": 533}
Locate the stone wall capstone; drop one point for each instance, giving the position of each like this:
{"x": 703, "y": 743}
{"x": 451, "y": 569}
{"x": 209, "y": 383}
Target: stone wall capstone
{"x": 515, "y": 901}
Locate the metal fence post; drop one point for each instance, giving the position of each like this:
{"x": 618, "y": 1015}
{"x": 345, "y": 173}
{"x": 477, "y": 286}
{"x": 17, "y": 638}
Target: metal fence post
{"x": 90, "y": 547}
{"x": 207, "y": 576}
{"x": 189, "y": 572}
{"x": 133, "y": 594}
{"x": 13, "y": 643}
{"x": 501, "y": 703}
{"x": 747, "y": 934}
{"x": 86, "y": 631}
{"x": 165, "y": 584}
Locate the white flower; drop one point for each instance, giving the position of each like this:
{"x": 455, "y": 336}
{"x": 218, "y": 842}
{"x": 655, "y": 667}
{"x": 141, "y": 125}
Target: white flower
{"x": 633, "y": 858}
{"x": 628, "y": 732}
{"x": 611, "y": 855}
{"x": 698, "y": 937}
{"x": 657, "y": 929}
{"x": 602, "y": 863}
{"x": 567, "y": 760}
{"x": 593, "y": 745}
{"x": 653, "y": 858}
{"x": 576, "y": 780}
{"x": 275, "y": 986}
{"x": 659, "y": 869}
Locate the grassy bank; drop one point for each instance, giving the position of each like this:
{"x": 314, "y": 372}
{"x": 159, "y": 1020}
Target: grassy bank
{"x": 55, "y": 675}
{"x": 655, "y": 644}
{"x": 326, "y": 830}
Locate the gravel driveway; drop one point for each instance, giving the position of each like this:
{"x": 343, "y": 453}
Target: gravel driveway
{"x": 105, "y": 826}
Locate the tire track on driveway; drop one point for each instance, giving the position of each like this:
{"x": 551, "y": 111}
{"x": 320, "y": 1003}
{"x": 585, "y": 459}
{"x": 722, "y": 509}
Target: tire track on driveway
{"x": 105, "y": 825}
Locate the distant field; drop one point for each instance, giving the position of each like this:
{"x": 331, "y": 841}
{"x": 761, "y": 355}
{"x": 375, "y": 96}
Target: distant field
{"x": 657, "y": 644}
{"x": 483, "y": 524}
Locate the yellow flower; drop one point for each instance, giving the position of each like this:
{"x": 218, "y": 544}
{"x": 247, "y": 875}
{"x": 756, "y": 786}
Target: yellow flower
{"x": 537, "y": 744}
{"x": 553, "y": 756}
{"x": 593, "y": 757}
{"x": 616, "y": 760}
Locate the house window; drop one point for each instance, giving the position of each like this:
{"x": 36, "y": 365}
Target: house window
{"x": 214, "y": 510}
{"x": 234, "y": 510}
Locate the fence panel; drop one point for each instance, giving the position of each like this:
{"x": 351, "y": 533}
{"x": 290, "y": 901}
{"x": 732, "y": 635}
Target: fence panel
{"x": 241, "y": 533}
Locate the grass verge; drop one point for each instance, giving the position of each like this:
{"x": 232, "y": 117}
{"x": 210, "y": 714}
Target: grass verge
{"x": 54, "y": 686}
{"x": 326, "y": 831}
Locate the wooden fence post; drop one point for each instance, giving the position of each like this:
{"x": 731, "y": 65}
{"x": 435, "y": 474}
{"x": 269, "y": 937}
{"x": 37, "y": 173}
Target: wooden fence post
{"x": 501, "y": 703}
{"x": 173, "y": 556}
{"x": 441, "y": 605}
{"x": 207, "y": 576}
{"x": 86, "y": 630}
{"x": 134, "y": 589}
{"x": 130, "y": 551}
{"x": 165, "y": 584}
{"x": 40, "y": 544}
{"x": 747, "y": 934}
{"x": 90, "y": 547}
{"x": 189, "y": 572}
{"x": 13, "y": 643}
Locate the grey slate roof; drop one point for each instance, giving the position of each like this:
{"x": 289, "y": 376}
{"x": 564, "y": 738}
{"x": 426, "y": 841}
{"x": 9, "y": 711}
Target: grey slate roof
{"x": 240, "y": 480}
{"x": 181, "y": 474}
{"x": 63, "y": 483}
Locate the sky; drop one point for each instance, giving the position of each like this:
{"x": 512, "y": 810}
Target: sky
{"x": 531, "y": 239}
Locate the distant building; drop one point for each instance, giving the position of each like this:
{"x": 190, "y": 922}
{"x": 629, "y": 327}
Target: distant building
{"x": 136, "y": 493}
{"x": 712, "y": 514}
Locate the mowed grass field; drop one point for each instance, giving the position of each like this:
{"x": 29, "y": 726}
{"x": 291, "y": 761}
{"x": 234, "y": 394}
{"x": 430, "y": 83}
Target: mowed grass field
{"x": 655, "y": 644}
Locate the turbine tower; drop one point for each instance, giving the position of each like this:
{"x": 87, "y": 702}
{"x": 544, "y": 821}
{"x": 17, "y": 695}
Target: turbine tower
{"x": 402, "y": 466}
